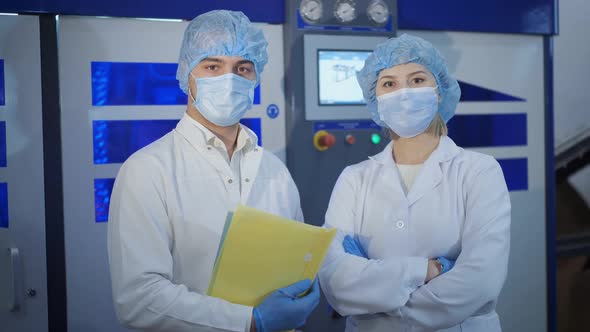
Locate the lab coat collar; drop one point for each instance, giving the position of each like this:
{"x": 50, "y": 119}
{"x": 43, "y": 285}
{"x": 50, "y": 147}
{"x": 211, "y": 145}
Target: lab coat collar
{"x": 446, "y": 150}
{"x": 251, "y": 159}
{"x": 431, "y": 173}
{"x": 247, "y": 139}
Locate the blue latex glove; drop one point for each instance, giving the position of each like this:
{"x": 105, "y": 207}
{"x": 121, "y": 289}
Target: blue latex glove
{"x": 353, "y": 247}
{"x": 447, "y": 264}
{"x": 285, "y": 309}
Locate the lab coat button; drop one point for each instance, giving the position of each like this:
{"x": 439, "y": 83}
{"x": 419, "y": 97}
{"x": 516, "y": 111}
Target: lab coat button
{"x": 247, "y": 180}
{"x": 230, "y": 181}
{"x": 400, "y": 224}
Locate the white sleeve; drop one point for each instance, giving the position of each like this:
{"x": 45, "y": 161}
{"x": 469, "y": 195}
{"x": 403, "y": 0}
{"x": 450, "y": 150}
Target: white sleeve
{"x": 140, "y": 241}
{"x": 294, "y": 199}
{"x": 481, "y": 268}
{"x": 357, "y": 286}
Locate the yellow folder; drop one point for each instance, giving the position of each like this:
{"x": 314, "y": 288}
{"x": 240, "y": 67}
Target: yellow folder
{"x": 261, "y": 252}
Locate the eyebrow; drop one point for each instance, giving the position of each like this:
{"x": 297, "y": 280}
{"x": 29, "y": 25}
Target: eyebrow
{"x": 411, "y": 74}
{"x": 418, "y": 72}
{"x": 217, "y": 60}
{"x": 241, "y": 62}
{"x": 388, "y": 76}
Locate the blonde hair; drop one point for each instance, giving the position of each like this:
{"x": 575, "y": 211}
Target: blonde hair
{"x": 437, "y": 128}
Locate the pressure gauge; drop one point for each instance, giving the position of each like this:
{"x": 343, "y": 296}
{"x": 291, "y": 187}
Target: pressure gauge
{"x": 311, "y": 10}
{"x": 378, "y": 12}
{"x": 345, "y": 11}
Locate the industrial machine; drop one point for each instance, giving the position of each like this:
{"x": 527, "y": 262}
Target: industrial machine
{"x": 76, "y": 101}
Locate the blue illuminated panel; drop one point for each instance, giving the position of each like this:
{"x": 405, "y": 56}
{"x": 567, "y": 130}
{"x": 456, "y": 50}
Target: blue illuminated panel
{"x": 345, "y": 125}
{"x": 104, "y": 187}
{"x": 3, "y": 205}
{"x": 515, "y": 173}
{"x": 132, "y": 83}
{"x": 488, "y": 130}
{"x": 257, "y": 95}
{"x": 116, "y": 140}
{"x": 124, "y": 83}
{"x": 2, "y": 89}
{"x": 472, "y": 92}
{"x": 2, "y": 144}
{"x": 503, "y": 16}
{"x": 102, "y": 196}
{"x": 268, "y": 11}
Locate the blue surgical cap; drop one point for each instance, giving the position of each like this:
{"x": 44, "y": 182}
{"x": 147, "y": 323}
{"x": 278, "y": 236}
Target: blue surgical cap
{"x": 402, "y": 50}
{"x": 220, "y": 33}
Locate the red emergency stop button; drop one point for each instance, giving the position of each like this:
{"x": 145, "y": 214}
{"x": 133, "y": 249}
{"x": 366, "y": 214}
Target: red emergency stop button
{"x": 323, "y": 140}
{"x": 327, "y": 140}
{"x": 350, "y": 139}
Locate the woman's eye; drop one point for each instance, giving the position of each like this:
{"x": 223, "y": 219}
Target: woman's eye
{"x": 244, "y": 70}
{"x": 388, "y": 84}
{"x": 419, "y": 80}
{"x": 212, "y": 67}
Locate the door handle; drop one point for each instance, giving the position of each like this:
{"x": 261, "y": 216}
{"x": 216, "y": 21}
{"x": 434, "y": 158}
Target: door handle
{"x": 14, "y": 257}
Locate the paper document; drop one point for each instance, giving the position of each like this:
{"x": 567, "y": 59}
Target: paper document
{"x": 261, "y": 252}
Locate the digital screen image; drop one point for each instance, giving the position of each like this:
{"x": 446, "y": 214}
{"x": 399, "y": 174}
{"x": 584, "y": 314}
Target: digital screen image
{"x": 337, "y": 77}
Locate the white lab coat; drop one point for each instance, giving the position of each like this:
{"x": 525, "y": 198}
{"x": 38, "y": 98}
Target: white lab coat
{"x": 167, "y": 213}
{"x": 459, "y": 207}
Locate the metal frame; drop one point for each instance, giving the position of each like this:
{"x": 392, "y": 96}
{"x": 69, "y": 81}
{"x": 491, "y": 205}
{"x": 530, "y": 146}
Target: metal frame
{"x": 572, "y": 156}
{"x": 574, "y": 245}
{"x": 550, "y": 189}
{"x": 54, "y": 210}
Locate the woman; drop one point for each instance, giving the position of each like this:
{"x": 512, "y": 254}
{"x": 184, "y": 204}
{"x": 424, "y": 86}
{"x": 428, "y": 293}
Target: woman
{"x": 405, "y": 215}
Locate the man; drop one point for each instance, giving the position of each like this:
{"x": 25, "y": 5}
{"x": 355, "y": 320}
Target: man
{"x": 170, "y": 198}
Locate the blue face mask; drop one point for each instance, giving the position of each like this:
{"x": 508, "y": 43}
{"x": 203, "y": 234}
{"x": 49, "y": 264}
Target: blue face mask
{"x": 408, "y": 112}
{"x": 224, "y": 99}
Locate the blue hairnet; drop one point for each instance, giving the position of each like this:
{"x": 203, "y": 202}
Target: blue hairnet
{"x": 402, "y": 50}
{"x": 220, "y": 33}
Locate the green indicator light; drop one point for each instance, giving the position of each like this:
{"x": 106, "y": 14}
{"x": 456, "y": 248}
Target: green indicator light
{"x": 375, "y": 139}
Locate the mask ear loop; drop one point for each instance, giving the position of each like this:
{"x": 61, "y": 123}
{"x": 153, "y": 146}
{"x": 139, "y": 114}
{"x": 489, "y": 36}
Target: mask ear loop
{"x": 437, "y": 89}
{"x": 190, "y": 92}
